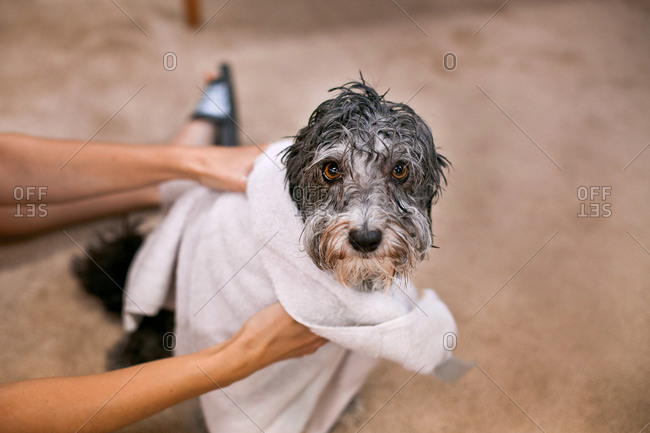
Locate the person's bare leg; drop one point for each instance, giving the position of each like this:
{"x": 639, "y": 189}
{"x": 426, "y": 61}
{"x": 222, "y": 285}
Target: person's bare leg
{"x": 196, "y": 132}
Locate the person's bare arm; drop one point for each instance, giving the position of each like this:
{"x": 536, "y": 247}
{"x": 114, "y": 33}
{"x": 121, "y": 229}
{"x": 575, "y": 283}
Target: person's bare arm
{"x": 107, "y": 401}
{"x": 15, "y": 221}
{"x": 70, "y": 171}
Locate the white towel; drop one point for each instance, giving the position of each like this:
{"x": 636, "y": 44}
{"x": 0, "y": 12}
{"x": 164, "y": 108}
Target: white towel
{"x": 229, "y": 255}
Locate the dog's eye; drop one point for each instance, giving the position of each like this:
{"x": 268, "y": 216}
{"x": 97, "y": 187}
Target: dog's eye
{"x": 400, "y": 171}
{"x": 331, "y": 171}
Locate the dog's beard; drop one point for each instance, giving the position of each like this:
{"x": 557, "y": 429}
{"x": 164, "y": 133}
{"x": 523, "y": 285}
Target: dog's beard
{"x": 326, "y": 241}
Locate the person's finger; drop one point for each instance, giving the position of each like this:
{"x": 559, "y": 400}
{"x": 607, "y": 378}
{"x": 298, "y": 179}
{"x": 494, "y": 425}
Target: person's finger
{"x": 312, "y": 348}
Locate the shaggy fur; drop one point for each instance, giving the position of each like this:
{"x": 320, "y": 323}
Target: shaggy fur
{"x": 369, "y": 224}
{"x": 103, "y": 274}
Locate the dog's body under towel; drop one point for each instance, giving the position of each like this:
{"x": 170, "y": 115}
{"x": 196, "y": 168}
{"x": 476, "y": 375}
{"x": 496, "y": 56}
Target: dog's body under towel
{"x": 228, "y": 255}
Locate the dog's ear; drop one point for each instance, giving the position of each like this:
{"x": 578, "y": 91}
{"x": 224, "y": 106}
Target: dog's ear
{"x": 436, "y": 170}
{"x": 293, "y": 175}
{"x": 301, "y": 153}
{"x": 439, "y": 166}
{"x": 295, "y": 158}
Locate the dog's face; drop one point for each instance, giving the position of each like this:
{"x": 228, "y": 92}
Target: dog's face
{"x": 363, "y": 174}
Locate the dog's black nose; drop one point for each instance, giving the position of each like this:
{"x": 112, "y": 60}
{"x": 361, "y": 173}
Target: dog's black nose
{"x": 365, "y": 240}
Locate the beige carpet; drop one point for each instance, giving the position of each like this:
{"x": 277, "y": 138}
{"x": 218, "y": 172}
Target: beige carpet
{"x": 545, "y": 98}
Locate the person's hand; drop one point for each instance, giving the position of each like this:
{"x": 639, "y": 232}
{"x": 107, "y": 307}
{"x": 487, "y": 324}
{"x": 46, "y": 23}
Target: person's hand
{"x": 272, "y": 335}
{"x": 225, "y": 168}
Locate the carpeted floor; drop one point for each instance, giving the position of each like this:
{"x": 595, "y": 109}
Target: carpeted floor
{"x": 543, "y": 100}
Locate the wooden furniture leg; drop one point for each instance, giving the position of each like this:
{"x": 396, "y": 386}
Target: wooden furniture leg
{"x": 192, "y": 12}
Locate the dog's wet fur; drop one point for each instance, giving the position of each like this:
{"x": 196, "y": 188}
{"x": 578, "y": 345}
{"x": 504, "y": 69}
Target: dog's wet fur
{"x": 364, "y": 173}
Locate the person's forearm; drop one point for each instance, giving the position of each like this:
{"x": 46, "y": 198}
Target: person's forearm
{"x": 16, "y": 221}
{"x": 108, "y": 401}
{"x": 66, "y": 170}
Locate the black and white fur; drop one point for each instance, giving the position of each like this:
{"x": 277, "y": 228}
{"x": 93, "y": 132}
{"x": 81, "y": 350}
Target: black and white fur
{"x": 372, "y": 222}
